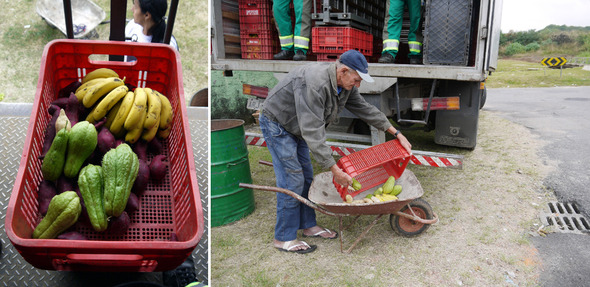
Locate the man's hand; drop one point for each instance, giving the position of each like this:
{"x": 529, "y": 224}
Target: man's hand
{"x": 402, "y": 139}
{"x": 340, "y": 177}
{"x": 405, "y": 143}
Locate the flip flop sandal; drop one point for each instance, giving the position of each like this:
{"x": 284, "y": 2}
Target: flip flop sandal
{"x": 287, "y": 248}
{"x": 318, "y": 234}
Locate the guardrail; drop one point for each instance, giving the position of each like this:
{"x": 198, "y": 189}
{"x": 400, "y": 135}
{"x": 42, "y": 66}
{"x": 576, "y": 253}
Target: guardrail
{"x": 579, "y": 61}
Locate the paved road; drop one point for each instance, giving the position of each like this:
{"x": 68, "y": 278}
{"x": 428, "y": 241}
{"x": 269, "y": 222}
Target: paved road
{"x": 560, "y": 116}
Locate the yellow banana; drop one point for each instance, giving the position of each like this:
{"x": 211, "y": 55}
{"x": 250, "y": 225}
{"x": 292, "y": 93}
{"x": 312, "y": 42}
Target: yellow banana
{"x": 149, "y": 134}
{"x": 112, "y": 114}
{"x": 166, "y": 111}
{"x": 84, "y": 88}
{"x": 108, "y": 102}
{"x": 100, "y": 73}
{"x": 117, "y": 126}
{"x": 88, "y": 84}
{"x": 136, "y": 116}
{"x": 153, "y": 111}
{"x": 133, "y": 135}
{"x": 164, "y": 133}
{"x": 97, "y": 91}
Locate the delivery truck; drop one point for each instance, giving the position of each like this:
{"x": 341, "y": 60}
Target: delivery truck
{"x": 444, "y": 92}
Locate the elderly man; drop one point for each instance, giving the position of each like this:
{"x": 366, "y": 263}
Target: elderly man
{"x": 294, "y": 120}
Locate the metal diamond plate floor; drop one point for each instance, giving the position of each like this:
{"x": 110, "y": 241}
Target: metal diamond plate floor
{"x": 15, "y": 271}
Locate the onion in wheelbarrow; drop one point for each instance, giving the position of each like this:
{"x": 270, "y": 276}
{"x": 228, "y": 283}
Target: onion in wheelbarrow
{"x": 348, "y": 198}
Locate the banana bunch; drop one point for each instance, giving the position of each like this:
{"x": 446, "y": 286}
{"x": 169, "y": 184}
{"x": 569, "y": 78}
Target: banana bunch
{"x": 141, "y": 113}
{"x": 97, "y": 84}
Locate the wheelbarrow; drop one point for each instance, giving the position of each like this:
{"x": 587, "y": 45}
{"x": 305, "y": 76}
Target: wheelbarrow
{"x": 86, "y": 15}
{"x": 409, "y": 216}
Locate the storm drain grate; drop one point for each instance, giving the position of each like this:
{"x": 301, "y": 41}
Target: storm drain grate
{"x": 566, "y": 218}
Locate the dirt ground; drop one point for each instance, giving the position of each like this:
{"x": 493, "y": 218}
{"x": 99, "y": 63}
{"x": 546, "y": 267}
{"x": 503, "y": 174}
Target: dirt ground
{"x": 488, "y": 212}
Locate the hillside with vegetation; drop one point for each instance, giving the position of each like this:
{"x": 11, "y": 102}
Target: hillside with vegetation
{"x": 520, "y": 56}
{"x": 552, "y": 41}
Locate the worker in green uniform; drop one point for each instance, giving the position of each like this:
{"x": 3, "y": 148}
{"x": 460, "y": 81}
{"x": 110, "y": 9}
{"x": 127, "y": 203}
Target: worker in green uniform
{"x": 294, "y": 40}
{"x": 392, "y": 31}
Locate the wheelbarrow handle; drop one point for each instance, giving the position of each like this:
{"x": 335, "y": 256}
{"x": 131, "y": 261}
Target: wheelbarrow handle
{"x": 289, "y": 193}
{"x": 416, "y": 218}
{"x": 264, "y": 162}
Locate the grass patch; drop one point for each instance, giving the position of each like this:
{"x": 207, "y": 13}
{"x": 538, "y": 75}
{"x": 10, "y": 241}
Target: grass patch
{"x": 24, "y": 34}
{"x": 518, "y": 73}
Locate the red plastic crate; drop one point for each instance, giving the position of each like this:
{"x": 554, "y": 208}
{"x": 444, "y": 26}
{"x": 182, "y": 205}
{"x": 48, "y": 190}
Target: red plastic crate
{"x": 373, "y": 166}
{"x": 173, "y": 205}
{"x": 327, "y": 57}
{"x": 255, "y": 15}
{"x": 262, "y": 45}
{"x": 337, "y": 40}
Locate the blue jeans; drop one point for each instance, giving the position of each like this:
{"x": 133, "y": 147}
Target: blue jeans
{"x": 293, "y": 171}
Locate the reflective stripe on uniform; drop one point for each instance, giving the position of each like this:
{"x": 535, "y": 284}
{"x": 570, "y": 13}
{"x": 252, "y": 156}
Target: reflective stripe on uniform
{"x": 301, "y": 42}
{"x": 415, "y": 46}
{"x": 390, "y": 45}
{"x": 286, "y": 41}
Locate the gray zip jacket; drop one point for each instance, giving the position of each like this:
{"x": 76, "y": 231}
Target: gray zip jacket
{"x": 307, "y": 100}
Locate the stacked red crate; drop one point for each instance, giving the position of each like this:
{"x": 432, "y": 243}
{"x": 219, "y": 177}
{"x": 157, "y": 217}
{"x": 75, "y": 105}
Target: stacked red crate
{"x": 329, "y": 42}
{"x": 258, "y": 36}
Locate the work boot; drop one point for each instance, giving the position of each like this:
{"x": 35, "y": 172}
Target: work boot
{"x": 415, "y": 60}
{"x": 299, "y": 56}
{"x": 284, "y": 55}
{"x": 386, "y": 58}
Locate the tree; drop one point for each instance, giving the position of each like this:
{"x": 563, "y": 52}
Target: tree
{"x": 561, "y": 38}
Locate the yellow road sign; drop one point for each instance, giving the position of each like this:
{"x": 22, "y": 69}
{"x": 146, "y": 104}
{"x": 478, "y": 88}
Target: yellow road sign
{"x": 552, "y": 62}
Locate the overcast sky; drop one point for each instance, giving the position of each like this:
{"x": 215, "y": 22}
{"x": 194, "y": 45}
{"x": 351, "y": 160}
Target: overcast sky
{"x": 524, "y": 15}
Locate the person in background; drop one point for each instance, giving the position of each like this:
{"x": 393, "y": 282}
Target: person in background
{"x": 294, "y": 40}
{"x": 148, "y": 24}
{"x": 294, "y": 120}
{"x": 392, "y": 30}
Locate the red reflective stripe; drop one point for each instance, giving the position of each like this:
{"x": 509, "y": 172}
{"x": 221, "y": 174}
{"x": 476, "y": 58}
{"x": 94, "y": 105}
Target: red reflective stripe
{"x": 257, "y": 141}
{"x": 337, "y": 150}
{"x": 415, "y": 160}
{"x": 445, "y": 161}
{"x": 430, "y": 161}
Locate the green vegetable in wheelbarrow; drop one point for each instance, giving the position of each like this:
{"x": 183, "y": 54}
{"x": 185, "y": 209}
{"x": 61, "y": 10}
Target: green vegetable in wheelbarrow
{"x": 356, "y": 185}
{"x": 389, "y": 184}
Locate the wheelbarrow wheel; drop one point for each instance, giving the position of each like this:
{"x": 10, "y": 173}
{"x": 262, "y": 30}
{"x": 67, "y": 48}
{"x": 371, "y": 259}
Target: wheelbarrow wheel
{"x": 407, "y": 227}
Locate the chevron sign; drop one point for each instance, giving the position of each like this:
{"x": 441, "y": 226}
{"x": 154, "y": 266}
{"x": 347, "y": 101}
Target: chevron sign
{"x": 553, "y": 62}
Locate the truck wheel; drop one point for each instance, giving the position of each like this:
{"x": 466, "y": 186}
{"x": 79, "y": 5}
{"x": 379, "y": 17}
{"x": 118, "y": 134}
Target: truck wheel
{"x": 484, "y": 95}
{"x": 410, "y": 228}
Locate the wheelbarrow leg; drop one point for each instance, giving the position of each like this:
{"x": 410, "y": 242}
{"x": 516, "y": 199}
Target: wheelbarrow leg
{"x": 345, "y": 228}
{"x": 352, "y": 223}
{"x": 364, "y": 233}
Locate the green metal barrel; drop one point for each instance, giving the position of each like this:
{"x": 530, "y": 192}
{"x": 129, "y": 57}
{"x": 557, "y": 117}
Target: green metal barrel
{"x": 229, "y": 167}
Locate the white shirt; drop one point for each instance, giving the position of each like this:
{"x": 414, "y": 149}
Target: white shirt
{"x": 134, "y": 32}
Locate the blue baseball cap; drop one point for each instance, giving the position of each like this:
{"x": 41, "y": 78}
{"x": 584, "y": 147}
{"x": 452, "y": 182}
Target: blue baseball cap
{"x": 355, "y": 60}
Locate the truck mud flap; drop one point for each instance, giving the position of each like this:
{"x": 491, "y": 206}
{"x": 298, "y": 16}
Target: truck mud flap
{"x": 459, "y": 127}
